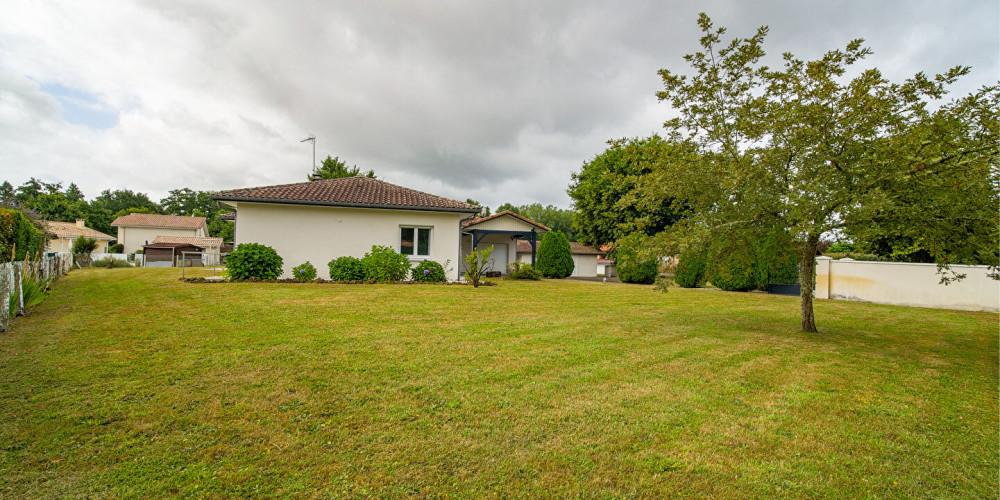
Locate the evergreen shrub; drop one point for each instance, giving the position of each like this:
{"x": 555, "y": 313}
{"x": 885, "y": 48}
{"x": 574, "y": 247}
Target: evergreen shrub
{"x": 253, "y": 260}
{"x": 383, "y": 264}
{"x": 555, "y": 258}
{"x": 346, "y": 268}
{"x": 429, "y": 271}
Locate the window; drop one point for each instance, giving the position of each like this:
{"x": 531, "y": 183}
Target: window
{"x": 415, "y": 241}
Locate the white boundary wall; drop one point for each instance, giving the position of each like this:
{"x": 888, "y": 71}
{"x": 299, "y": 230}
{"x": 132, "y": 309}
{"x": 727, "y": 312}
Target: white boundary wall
{"x": 906, "y": 284}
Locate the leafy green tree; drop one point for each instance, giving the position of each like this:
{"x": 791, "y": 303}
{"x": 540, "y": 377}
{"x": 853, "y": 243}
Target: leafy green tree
{"x": 555, "y": 258}
{"x": 806, "y": 150}
{"x": 28, "y": 191}
{"x": 82, "y": 248}
{"x": 134, "y": 210}
{"x": 334, "y": 168}
{"x": 484, "y": 212}
{"x": 122, "y": 199}
{"x": 7, "y": 193}
{"x": 187, "y": 202}
{"x": 604, "y": 192}
{"x": 73, "y": 192}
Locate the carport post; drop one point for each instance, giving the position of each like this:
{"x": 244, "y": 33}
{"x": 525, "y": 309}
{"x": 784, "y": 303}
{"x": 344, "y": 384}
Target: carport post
{"x": 533, "y": 236}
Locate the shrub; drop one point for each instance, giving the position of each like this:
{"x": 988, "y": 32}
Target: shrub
{"x": 19, "y": 236}
{"x": 429, "y": 271}
{"x": 734, "y": 272}
{"x": 477, "y": 265}
{"x": 82, "y": 248}
{"x": 634, "y": 266}
{"x": 110, "y": 263}
{"x": 841, "y": 247}
{"x": 253, "y": 260}
{"x": 554, "y": 259}
{"x": 346, "y": 269}
{"x": 522, "y": 271}
{"x": 383, "y": 264}
{"x": 691, "y": 270}
{"x": 33, "y": 293}
{"x": 116, "y": 248}
{"x": 304, "y": 272}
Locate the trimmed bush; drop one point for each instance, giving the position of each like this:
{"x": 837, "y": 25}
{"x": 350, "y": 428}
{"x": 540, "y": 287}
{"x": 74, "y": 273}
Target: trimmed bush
{"x": 429, "y": 271}
{"x": 691, "y": 270}
{"x": 346, "y": 268}
{"x": 304, "y": 272}
{"x": 110, "y": 263}
{"x": 522, "y": 271}
{"x": 840, "y": 247}
{"x": 253, "y": 260}
{"x": 82, "y": 248}
{"x": 734, "y": 272}
{"x": 633, "y": 265}
{"x": 116, "y": 248}
{"x": 383, "y": 264}
{"x": 554, "y": 259}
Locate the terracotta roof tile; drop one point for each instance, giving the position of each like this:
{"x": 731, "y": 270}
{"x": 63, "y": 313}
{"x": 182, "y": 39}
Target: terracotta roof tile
{"x": 524, "y": 246}
{"x": 157, "y": 220}
{"x": 193, "y": 240}
{"x": 348, "y": 192}
{"x": 478, "y": 220}
{"x": 71, "y": 229}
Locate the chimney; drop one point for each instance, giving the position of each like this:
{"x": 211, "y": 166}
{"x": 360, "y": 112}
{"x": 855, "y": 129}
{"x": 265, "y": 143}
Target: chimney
{"x": 79, "y": 223}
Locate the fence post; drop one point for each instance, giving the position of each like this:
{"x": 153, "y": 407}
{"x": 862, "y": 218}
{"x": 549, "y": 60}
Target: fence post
{"x": 18, "y": 272}
{"x": 5, "y": 299}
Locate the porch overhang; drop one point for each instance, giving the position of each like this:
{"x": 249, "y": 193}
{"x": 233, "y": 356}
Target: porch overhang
{"x": 479, "y": 234}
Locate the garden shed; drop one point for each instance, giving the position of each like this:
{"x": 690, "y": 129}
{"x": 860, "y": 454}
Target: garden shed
{"x": 170, "y": 254}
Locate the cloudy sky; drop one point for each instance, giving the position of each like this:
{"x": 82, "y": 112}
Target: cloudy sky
{"x": 496, "y": 101}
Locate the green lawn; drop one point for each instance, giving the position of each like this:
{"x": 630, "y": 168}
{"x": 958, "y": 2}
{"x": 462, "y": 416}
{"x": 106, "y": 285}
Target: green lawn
{"x": 127, "y": 382}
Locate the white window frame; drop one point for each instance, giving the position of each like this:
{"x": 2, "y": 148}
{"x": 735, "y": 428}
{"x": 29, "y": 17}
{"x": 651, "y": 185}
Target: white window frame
{"x": 416, "y": 239}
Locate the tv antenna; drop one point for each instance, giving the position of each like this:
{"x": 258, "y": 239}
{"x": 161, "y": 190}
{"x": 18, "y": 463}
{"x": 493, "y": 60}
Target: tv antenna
{"x": 312, "y": 137}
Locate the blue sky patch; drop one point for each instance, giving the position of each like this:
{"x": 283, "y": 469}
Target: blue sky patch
{"x": 82, "y": 108}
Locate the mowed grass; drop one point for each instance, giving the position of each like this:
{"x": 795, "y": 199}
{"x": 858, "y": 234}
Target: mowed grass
{"x": 127, "y": 382}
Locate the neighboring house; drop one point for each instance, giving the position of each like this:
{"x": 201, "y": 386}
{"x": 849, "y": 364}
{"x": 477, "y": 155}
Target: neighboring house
{"x": 168, "y": 254}
{"x": 505, "y": 231}
{"x": 136, "y": 230}
{"x": 320, "y": 220}
{"x": 585, "y": 258}
{"x": 66, "y": 232}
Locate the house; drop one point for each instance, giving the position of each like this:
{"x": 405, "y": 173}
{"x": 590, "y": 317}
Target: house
{"x": 585, "y": 258}
{"x": 65, "y": 232}
{"x": 320, "y": 220}
{"x": 136, "y": 230}
{"x": 504, "y": 231}
{"x": 170, "y": 254}
{"x": 210, "y": 247}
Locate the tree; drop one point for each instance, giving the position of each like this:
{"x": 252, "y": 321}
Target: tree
{"x": 604, "y": 193}
{"x": 477, "y": 264}
{"x": 808, "y": 151}
{"x": 122, "y": 199}
{"x": 134, "y": 210}
{"x": 73, "y": 192}
{"x": 484, "y": 210}
{"x": 555, "y": 258}
{"x": 7, "y": 194}
{"x": 334, "y": 168}
{"x": 82, "y": 248}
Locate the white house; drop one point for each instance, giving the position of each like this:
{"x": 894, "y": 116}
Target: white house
{"x": 321, "y": 220}
{"x": 505, "y": 231}
{"x": 65, "y": 232}
{"x": 136, "y": 230}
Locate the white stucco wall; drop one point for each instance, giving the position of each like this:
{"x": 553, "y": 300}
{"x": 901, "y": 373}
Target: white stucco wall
{"x": 584, "y": 265}
{"x": 135, "y": 237}
{"x": 318, "y": 234}
{"x": 499, "y": 242}
{"x": 65, "y": 244}
{"x": 905, "y": 284}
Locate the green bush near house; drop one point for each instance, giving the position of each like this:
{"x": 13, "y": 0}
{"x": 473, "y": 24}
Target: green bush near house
{"x": 304, "y": 272}
{"x": 116, "y": 248}
{"x": 383, "y": 264}
{"x": 253, "y": 260}
{"x": 110, "y": 263}
{"x": 523, "y": 271}
{"x": 555, "y": 258}
{"x": 429, "y": 271}
{"x": 634, "y": 266}
{"x": 346, "y": 268}
{"x": 20, "y": 238}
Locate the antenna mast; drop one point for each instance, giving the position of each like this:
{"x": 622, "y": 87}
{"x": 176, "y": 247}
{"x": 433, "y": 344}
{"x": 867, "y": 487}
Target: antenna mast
{"x": 312, "y": 137}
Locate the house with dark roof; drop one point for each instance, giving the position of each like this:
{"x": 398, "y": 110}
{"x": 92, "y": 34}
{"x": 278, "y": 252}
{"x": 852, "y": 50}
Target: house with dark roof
{"x": 136, "y": 230}
{"x": 321, "y": 220}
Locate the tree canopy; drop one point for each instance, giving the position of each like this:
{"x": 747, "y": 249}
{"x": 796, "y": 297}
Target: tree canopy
{"x": 335, "y": 168}
{"x": 604, "y": 193}
{"x": 548, "y": 215}
{"x": 809, "y": 150}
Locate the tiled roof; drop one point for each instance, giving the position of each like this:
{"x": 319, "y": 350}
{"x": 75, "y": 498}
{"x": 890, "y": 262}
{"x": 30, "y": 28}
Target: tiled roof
{"x": 171, "y": 245}
{"x": 524, "y": 246}
{"x": 191, "y": 240}
{"x": 157, "y": 220}
{"x": 479, "y": 220}
{"x": 348, "y": 192}
{"x": 227, "y": 216}
{"x": 71, "y": 229}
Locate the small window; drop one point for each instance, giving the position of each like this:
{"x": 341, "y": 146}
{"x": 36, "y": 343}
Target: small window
{"x": 415, "y": 241}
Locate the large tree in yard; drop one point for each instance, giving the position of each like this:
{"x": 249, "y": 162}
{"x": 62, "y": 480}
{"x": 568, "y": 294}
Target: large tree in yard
{"x": 807, "y": 150}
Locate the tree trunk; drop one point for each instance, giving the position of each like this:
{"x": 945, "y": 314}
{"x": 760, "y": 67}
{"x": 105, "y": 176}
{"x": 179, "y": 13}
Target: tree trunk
{"x": 807, "y": 277}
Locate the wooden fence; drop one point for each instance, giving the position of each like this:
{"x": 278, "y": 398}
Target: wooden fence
{"x": 12, "y": 276}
